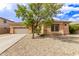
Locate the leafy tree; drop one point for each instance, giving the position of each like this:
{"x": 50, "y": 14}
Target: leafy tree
{"x": 34, "y": 14}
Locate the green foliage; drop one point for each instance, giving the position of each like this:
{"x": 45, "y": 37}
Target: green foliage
{"x": 37, "y": 13}
{"x": 38, "y": 30}
{"x": 73, "y": 28}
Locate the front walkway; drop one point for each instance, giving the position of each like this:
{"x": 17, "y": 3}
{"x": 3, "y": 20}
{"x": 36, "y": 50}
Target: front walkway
{"x": 8, "y": 40}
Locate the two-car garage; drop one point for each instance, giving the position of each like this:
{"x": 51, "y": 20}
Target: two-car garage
{"x": 18, "y": 30}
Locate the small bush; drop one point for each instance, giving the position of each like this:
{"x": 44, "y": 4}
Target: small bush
{"x": 73, "y": 28}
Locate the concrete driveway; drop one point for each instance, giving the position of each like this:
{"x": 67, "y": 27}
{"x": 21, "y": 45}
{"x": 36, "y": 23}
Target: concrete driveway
{"x": 7, "y": 40}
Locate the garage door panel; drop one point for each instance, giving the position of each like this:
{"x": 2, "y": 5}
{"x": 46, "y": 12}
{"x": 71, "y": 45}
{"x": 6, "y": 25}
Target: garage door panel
{"x": 20, "y": 31}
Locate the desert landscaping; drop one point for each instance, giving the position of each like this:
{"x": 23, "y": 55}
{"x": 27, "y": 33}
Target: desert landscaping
{"x": 45, "y": 46}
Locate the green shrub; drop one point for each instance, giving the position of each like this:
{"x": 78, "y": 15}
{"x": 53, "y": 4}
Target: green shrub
{"x": 73, "y": 28}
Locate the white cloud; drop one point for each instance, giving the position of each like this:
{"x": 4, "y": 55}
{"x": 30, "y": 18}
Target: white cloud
{"x": 55, "y": 18}
{"x": 6, "y": 6}
{"x": 69, "y": 8}
{"x": 66, "y": 9}
{"x": 74, "y": 19}
{"x": 76, "y": 15}
{"x": 2, "y": 6}
{"x": 59, "y": 14}
{"x": 9, "y": 7}
{"x": 25, "y": 4}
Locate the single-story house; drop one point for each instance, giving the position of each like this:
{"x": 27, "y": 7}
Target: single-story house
{"x": 57, "y": 27}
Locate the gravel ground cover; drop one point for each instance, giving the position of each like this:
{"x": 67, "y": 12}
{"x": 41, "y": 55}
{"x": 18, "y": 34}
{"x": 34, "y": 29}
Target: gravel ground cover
{"x": 48, "y": 46}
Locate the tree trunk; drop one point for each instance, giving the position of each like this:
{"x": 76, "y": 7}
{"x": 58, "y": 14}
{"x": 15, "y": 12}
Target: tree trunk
{"x": 33, "y": 32}
{"x": 33, "y": 35}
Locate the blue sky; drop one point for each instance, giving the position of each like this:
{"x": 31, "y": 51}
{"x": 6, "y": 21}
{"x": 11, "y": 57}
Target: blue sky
{"x": 69, "y": 12}
{"x": 7, "y": 11}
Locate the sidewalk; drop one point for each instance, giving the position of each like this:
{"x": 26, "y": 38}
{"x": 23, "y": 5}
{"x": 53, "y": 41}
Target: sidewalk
{"x": 9, "y": 40}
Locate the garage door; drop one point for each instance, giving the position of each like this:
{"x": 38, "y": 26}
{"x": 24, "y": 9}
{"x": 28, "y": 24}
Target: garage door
{"x": 20, "y": 30}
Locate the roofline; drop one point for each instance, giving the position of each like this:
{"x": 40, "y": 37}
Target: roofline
{"x": 6, "y": 19}
{"x": 62, "y": 21}
{"x": 75, "y": 22}
{"x": 54, "y": 20}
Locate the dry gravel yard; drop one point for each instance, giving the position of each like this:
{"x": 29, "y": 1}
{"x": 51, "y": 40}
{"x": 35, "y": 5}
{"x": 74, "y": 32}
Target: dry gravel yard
{"x": 44, "y": 46}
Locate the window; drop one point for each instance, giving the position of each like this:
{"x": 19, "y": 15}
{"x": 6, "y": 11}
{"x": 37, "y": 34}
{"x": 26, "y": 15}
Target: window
{"x": 55, "y": 27}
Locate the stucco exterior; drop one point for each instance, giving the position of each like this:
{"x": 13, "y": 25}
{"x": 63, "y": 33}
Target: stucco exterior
{"x": 5, "y": 25}
{"x": 63, "y": 28}
{"x": 10, "y": 26}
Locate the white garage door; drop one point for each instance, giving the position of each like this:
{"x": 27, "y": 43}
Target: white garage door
{"x": 20, "y": 31}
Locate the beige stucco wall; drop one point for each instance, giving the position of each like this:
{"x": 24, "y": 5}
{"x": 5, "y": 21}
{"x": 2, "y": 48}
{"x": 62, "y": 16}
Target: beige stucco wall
{"x": 63, "y": 29}
{"x": 5, "y": 27}
{"x": 66, "y": 28}
{"x": 1, "y": 21}
{"x": 2, "y": 24}
{"x": 4, "y": 30}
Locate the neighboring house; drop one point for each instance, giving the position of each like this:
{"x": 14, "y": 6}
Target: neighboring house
{"x": 57, "y": 27}
{"x": 5, "y": 25}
